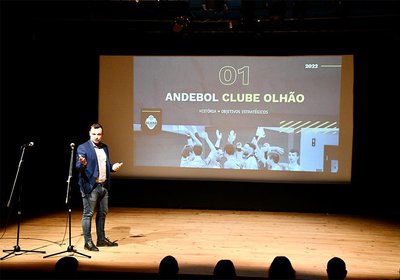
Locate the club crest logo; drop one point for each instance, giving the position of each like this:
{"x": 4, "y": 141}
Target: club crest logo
{"x": 151, "y": 120}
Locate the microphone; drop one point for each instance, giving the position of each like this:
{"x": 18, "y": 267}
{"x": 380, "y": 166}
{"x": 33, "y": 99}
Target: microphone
{"x": 72, "y": 145}
{"x": 30, "y": 144}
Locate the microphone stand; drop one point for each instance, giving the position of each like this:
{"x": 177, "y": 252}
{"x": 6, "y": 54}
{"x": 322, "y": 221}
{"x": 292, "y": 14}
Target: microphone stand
{"x": 17, "y": 248}
{"x": 68, "y": 202}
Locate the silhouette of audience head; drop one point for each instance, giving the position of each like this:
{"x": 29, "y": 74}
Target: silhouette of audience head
{"x": 66, "y": 266}
{"x": 281, "y": 268}
{"x": 336, "y": 269}
{"x": 168, "y": 268}
{"x": 224, "y": 269}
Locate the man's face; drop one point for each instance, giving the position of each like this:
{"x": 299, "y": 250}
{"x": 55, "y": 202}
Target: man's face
{"x": 95, "y": 135}
{"x": 293, "y": 157}
{"x": 247, "y": 150}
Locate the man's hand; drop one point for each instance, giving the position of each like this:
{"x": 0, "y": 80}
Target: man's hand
{"x": 82, "y": 160}
{"x": 232, "y": 137}
{"x": 117, "y": 166}
{"x": 219, "y": 134}
{"x": 279, "y": 150}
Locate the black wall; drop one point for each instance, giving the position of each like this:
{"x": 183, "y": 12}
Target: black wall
{"x": 49, "y": 87}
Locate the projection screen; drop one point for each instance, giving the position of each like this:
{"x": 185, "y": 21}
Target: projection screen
{"x": 231, "y": 118}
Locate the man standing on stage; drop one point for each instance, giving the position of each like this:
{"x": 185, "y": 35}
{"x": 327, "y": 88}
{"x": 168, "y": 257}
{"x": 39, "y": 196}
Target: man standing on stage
{"x": 94, "y": 168}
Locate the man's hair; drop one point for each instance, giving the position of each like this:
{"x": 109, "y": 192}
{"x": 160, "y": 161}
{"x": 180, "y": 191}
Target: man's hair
{"x": 274, "y": 157}
{"x": 197, "y": 149}
{"x": 229, "y": 149}
{"x": 186, "y": 151}
{"x": 294, "y": 151}
{"x": 96, "y": 126}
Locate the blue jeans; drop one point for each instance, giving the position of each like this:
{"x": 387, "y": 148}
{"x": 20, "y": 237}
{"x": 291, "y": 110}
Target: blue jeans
{"x": 97, "y": 201}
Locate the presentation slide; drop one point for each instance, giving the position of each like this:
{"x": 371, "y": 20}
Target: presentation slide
{"x": 246, "y": 118}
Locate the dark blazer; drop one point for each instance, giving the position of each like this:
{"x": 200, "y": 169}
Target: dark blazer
{"x": 87, "y": 175}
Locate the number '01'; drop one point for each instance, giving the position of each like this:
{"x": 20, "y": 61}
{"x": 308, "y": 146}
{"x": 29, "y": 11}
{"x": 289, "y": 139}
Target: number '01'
{"x": 229, "y": 74}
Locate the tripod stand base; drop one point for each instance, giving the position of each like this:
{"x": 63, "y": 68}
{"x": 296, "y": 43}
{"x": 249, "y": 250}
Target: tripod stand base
{"x": 18, "y": 249}
{"x": 70, "y": 249}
